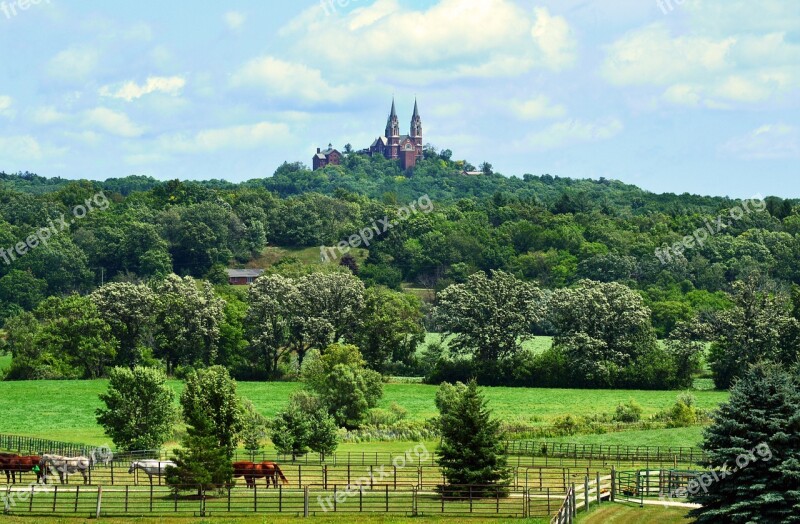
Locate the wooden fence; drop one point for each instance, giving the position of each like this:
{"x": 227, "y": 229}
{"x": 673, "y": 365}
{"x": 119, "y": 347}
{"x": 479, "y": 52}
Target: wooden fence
{"x": 104, "y": 501}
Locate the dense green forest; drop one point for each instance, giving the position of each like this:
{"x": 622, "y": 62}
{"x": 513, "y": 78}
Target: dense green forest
{"x": 66, "y": 244}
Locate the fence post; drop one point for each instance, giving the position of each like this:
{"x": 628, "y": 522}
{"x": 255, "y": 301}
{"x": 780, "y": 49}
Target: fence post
{"x": 99, "y": 501}
{"x": 387, "y": 497}
{"x": 574, "y": 501}
{"x": 613, "y": 483}
{"x": 305, "y": 501}
{"x": 598, "y": 488}
{"x": 586, "y": 493}
{"x": 55, "y": 497}
{"x": 77, "y": 494}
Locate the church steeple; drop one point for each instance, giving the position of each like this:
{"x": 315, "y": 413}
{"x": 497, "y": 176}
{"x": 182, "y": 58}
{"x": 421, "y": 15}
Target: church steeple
{"x": 416, "y": 122}
{"x": 393, "y": 124}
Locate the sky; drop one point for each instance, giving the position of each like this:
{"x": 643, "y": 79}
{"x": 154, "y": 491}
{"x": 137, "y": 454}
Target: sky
{"x": 695, "y": 96}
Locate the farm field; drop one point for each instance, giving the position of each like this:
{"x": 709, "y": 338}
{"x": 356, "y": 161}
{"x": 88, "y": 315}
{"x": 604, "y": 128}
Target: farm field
{"x": 65, "y": 410}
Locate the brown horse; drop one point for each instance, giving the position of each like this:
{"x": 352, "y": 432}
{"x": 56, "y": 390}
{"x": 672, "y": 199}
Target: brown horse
{"x": 251, "y": 472}
{"x": 272, "y": 471}
{"x": 5, "y": 465}
{"x": 14, "y": 464}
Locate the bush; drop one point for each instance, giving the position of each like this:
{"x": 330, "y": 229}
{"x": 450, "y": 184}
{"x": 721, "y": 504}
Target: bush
{"x": 628, "y": 413}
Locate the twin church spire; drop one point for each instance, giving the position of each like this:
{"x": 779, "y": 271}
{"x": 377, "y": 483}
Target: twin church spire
{"x": 393, "y": 123}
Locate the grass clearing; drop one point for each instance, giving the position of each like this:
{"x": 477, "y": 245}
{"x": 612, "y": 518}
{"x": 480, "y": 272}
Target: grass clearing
{"x": 626, "y": 513}
{"x": 65, "y": 410}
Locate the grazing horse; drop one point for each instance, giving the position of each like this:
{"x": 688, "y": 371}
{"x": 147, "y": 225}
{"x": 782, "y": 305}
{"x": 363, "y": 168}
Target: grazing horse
{"x": 19, "y": 465}
{"x": 5, "y": 466}
{"x": 272, "y": 471}
{"x": 251, "y": 472}
{"x": 65, "y": 466}
{"x": 152, "y": 468}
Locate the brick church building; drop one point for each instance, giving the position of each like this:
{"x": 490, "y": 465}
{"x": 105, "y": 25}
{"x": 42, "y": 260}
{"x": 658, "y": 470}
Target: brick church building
{"x": 392, "y": 145}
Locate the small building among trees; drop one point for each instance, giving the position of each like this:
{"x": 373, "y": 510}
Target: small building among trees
{"x": 329, "y": 156}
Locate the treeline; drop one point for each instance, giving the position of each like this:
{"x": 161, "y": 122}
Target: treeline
{"x": 546, "y": 230}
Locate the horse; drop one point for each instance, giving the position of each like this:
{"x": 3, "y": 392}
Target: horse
{"x": 152, "y": 467}
{"x": 251, "y": 472}
{"x": 5, "y": 466}
{"x": 65, "y": 466}
{"x": 272, "y": 471}
{"x": 19, "y": 465}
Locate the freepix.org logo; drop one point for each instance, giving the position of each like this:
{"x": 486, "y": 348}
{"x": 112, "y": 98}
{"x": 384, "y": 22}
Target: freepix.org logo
{"x": 12, "y": 8}
{"x": 54, "y": 227}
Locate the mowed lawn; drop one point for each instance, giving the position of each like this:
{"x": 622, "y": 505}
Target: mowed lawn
{"x": 65, "y": 410}
{"x": 633, "y": 514}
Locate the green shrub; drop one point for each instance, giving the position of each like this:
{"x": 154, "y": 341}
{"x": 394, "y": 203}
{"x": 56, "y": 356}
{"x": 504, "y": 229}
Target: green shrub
{"x": 628, "y": 413}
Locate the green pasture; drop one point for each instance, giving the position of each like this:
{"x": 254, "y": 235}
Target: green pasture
{"x": 633, "y": 514}
{"x": 65, "y": 410}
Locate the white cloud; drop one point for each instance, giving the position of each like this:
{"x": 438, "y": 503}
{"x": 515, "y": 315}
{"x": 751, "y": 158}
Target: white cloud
{"x": 113, "y": 122}
{"x": 451, "y": 39}
{"x": 555, "y": 39}
{"x": 75, "y": 64}
{"x": 698, "y": 69}
{"x": 537, "y": 108}
{"x": 289, "y": 80}
{"x": 5, "y": 105}
{"x": 570, "y": 132}
{"x": 772, "y": 141}
{"x": 234, "y": 20}
{"x": 129, "y": 91}
{"x": 47, "y": 115}
{"x": 252, "y": 136}
{"x": 20, "y": 147}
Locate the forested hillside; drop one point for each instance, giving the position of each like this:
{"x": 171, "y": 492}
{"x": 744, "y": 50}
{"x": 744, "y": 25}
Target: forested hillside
{"x": 546, "y": 230}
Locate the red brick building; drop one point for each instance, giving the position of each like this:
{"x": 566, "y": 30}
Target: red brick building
{"x": 329, "y": 156}
{"x": 405, "y": 148}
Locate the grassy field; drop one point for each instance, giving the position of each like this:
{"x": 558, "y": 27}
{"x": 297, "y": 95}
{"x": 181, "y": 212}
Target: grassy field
{"x": 65, "y": 410}
{"x": 633, "y": 514}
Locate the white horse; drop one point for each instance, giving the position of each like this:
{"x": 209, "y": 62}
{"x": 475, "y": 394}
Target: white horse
{"x": 152, "y": 468}
{"x": 65, "y": 466}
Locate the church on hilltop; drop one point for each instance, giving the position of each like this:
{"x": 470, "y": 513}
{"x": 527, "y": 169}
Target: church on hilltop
{"x": 392, "y": 145}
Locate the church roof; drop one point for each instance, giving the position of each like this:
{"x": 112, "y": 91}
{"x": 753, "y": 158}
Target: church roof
{"x": 382, "y": 139}
{"x": 416, "y": 111}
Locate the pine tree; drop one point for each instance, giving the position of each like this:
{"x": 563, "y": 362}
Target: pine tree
{"x": 756, "y": 438}
{"x": 201, "y": 464}
{"x": 471, "y": 451}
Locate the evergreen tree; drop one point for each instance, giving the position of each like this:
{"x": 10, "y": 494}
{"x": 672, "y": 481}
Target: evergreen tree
{"x": 471, "y": 451}
{"x": 756, "y": 438}
{"x": 201, "y": 464}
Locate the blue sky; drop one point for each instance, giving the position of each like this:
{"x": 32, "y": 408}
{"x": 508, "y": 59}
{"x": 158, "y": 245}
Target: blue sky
{"x": 680, "y": 96}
